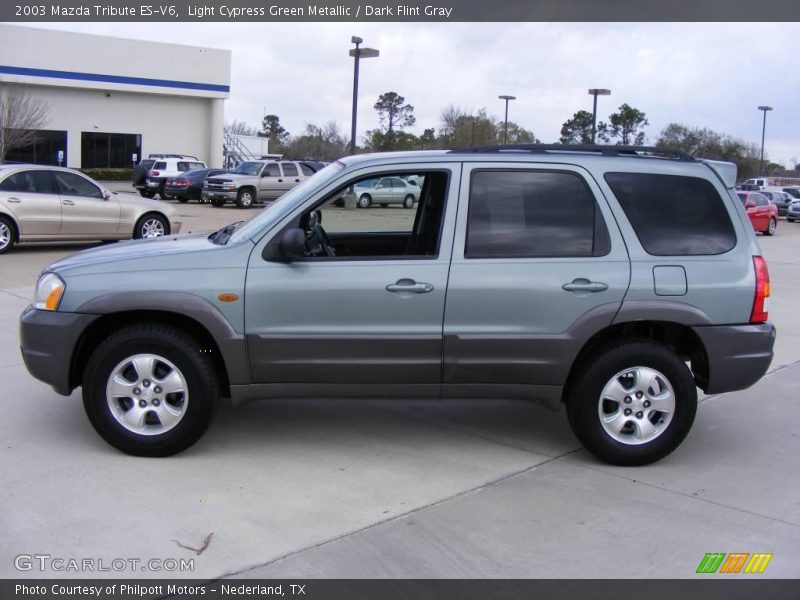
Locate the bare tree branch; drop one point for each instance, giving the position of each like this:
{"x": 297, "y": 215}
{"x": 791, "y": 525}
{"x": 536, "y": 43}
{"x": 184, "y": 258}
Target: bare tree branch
{"x": 21, "y": 118}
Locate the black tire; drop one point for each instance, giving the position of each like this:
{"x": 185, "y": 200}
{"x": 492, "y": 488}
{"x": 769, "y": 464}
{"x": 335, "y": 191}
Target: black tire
{"x": 144, "y": 226}
{"x": 147, "y": 194}
{"x": 364, "y": 201}
{"x": 245, "y": 198}
{"x": 584, "y": 403}
{"x": 408, "y": 201}
{"x": 194, "y": 366}
{"x": 217, "y": 202}
{"x": 384, "y": 205}
{"x": 183, "y": 200}
{"x": 8, "y": 234}
{"x": 788, "y": 220}
{"x": 772, "y": 227}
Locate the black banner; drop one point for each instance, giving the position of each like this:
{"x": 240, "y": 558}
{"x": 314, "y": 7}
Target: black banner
{"x": 399, "y": 11}
{"x": 713, "y": 588}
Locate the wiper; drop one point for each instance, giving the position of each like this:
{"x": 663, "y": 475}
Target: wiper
{"x": 222, "y": 236}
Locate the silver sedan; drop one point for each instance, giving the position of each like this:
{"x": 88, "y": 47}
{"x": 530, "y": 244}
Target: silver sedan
{"x": 41, "y": 203}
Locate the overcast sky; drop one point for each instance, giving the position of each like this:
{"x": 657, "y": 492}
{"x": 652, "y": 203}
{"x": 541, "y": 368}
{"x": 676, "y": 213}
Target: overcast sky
{"x": 707, "y": 75}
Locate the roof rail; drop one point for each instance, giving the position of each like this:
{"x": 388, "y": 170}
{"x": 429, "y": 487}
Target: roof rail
{"x": 602, "y": 150}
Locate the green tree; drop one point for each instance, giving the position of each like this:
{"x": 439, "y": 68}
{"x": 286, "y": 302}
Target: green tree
{"x": 463, "y": 130}
{"x": 318, "y": 142}
{"x": 626, "y": 127}
{"x": 517, "y": 134}
{"x": 382, "y": 141}
{"x": 272, "y": 129}
{"x": 705, "y": 143}
{"x": 578, "y": 129}
{"x": 394, "y": 115}
{"x": 427, "y": 140}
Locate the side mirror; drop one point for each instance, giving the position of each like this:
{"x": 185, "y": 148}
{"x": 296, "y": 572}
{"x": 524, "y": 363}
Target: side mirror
{"x": 293, "y": 244}
{"x": 106, "y": 195}
{"x": 749, "y": 204}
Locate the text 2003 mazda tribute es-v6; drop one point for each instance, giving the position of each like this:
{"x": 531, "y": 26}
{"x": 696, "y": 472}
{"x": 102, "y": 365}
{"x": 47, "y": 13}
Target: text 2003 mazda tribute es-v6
{"x": 613, "y": 280}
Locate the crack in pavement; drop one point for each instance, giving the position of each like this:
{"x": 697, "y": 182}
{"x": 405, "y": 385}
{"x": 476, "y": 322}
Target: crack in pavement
{"x": 473, "y": 490}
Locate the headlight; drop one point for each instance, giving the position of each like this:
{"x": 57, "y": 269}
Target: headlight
{"x": 49, "y": 290}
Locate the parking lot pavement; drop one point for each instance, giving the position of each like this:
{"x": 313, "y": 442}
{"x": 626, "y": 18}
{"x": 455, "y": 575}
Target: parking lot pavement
{"x": 401, "y": 489}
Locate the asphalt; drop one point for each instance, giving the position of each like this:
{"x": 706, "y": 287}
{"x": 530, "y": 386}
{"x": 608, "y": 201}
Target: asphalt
{"x": 399, "y": 489}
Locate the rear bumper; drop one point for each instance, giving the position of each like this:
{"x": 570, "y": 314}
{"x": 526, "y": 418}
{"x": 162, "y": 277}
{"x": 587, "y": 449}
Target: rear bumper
{"x": 738, "y": 355}
{"x": 47, "y": 343}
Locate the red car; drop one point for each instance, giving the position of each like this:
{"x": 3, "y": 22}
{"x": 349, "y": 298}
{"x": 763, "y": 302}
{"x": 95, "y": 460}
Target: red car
{"x": 763, "y": 213}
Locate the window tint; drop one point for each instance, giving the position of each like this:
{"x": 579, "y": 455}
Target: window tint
{"x": 307, "y": 171}
{"x": 533, "y": 214}
{"x": 398, "y": 183}
{"x": 271, "y": 170}
{"x": 674, "y": 215}
{"x": 71, "y": 184}
{"x": 160, "y": 165}
{"x": 32, "y": 182}
{"x": 189, "y": 166}
{"x": 289, "y": 169}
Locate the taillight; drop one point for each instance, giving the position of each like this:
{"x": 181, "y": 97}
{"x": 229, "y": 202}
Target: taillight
{"x": 760, "y": 311}
{"x": 181, "y": 182}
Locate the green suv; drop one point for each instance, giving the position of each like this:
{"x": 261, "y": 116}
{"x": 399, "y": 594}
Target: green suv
{"x": 612, "y": 280}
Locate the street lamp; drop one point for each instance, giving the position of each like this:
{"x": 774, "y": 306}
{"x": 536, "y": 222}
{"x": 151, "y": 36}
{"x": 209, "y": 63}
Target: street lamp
{"x": 505, "y": 127}
{"x": 763, "y": 132}
{"x": 596, "y": 92}
{"x": 357, "y": 53}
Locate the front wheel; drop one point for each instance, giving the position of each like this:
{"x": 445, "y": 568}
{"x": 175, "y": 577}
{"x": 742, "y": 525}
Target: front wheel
{"x": 364, "y": 201}
{"x": 408, "y": 201}
{"x": 151, "y": 226}
{"x": 147, "y": 193}
{"x": 632, "y": 403}
{"x": 788, "y": 220}
{"x": 183, "y": 200}
{"x": 217, "y": 202}
{"x": 8, "y": 235}
{"x": 149, "y": 390}
{"x": 244, "y": 199}
{"x": 772, "y": 227}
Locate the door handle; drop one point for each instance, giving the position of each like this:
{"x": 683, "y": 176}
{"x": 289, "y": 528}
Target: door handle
{"x": 297, "y": 181}
{"x": 584, "y": 285}
{"x": 68, "y": 203}
{"x": 409, "y": 285}
{"x": 14, "y": 200}
{"x": 280, "y": 180}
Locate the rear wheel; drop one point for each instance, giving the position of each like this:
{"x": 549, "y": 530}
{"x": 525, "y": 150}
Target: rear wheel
{"x": 218, "y": 202}
{"x": 151, "y": 225}
{"x": 149, "y": 391}
{"x": 183, "y": 200}
{"x": 772, "y": 227}
{"x": 245, "y": 198}
{"x": 147, "y": 193}
{"x": 788, "y": 220}
{"x": 632, "y": 403}
{"x": 8, "y": 235}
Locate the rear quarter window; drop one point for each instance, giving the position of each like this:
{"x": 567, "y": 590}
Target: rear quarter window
{"x": 674, "y": 215}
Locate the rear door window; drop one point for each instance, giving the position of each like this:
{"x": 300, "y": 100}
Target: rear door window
{"x": 289, "y": 169}
{"x": 519, "y": 214}
{"x": 674, "y": 215}
{"x": 31, "y": 182}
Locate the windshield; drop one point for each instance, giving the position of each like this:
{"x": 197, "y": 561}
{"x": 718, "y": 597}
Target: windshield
{"x": 248, "y": 168}
{"x": 297, "y": 194}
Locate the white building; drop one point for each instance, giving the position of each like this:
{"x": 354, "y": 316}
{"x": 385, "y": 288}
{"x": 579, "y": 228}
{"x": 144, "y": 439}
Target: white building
{"x": 110, "y": 98}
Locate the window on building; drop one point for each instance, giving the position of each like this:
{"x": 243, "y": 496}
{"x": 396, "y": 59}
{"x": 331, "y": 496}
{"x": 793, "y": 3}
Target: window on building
{"x": 109, "y": 150}
{"x": 42, "y": 152}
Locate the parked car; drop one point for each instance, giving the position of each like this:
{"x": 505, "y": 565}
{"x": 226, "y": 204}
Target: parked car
{"x": 189, "y": 185}
{"x": 793, "y": 212}
{"x": 383, "y": 192}
{"x": 780, "y": 199}
{"x": 42, "y": 204}
{"x": 255, "y": 182}
{"x": 612, "y": 280}
{"x": 763, "y": 213}
{"x": 793, "y": 191}
{"x": 167, "y": 167}
{"x": 140, "y": 174}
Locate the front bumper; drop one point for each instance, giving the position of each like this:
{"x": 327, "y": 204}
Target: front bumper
{"x": 219, "y": 194}
{"x": 738, "y": 355}
{"x": 47, "y": 342}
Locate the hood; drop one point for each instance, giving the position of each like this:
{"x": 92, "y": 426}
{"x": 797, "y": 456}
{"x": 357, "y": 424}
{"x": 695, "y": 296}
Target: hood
{"x": 231, "y": 177}
{"x": 168, "y": 252}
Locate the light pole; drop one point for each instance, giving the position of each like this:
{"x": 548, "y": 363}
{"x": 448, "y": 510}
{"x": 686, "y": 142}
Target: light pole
{"x": 357, "y": 53}
{"x": 763, "y": 132}
{"x": 505, "y": 127}
{"x": 596, "y": 92}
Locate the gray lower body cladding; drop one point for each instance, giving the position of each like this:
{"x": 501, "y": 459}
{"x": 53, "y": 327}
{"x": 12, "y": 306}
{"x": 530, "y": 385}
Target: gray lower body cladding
{"x": 738, "y": 355}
